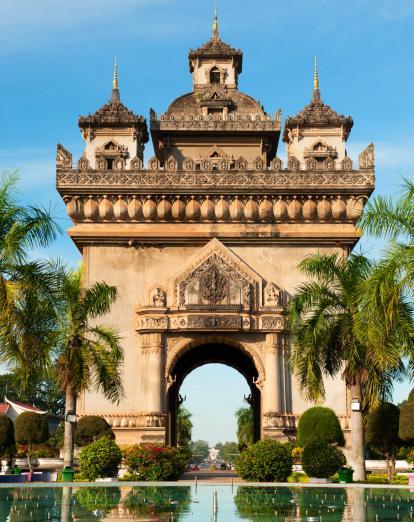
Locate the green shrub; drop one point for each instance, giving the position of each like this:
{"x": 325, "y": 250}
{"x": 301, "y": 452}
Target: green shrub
{"x": 100, "y": 459}
{"x": 31, "y": 428}
{"x": 377, "y": 478}
{"x": 265, "y": 461}
{"x": 91, "y": 428}
{"x": 319, "y": 424}
{"x": 7, "y": 441}
{"x": 152, "y": 463}
{"x": 406, "y": 426}
{"x": 322, "y": 460}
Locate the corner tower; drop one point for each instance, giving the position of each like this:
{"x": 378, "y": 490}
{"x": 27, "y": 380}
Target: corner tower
{"x": 114, "y": 135}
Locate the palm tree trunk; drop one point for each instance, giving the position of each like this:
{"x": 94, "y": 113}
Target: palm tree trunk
{"x": 357, "y": 433}
{"x": 69, "y": 440}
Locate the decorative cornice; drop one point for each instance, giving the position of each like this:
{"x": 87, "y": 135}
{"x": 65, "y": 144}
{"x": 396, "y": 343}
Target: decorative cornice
{"x": 143, "y": 181}
{"x": 208, "y": 208}
{"x": 230, "y": 122}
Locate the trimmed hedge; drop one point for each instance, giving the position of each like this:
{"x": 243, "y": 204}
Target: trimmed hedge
{"x": 406, "y": 427}
{"x": 319, "y": 424}
{"x": 91, "y": 428}
{"x": 7, "y": 441}
{"x": 265, "y": 461}
{"x": 100, "y": 459}
{"x": 151, "y": 463}
{"x": 322, "y": 460}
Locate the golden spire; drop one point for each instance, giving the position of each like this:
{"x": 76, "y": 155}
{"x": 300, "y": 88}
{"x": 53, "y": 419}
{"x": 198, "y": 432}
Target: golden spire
{"x": 215, "y": 22}
{"x": 115, "y": 80}
{"x": 316, "y": 77}
{"x": 316, "y": 95}
{"x": 115, "y": 96}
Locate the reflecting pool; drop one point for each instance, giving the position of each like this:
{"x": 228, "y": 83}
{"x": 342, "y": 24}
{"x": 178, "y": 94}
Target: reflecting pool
{"x": 204, "y": 503}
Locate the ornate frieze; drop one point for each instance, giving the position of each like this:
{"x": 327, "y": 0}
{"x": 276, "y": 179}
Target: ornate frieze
{"x": 238, "y": 179}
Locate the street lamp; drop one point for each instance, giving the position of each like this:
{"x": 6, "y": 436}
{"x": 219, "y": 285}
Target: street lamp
{"x": 71, "y": 417}
{"x": 355, "y": 405}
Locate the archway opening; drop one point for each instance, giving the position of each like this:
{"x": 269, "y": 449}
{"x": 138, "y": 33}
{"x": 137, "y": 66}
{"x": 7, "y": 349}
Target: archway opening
{"x": 218, "y": 353}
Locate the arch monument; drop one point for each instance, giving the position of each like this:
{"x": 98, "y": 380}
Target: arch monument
{"x": 204, "y": 244}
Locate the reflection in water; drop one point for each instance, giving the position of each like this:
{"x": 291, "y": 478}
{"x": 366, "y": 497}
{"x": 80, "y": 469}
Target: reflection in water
{"x": 289, "y": 504}
{"x": 158, "y": 503}
{"x": 182, "y": 503}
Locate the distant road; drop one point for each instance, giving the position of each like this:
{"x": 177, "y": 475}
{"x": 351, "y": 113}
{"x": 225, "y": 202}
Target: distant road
{"x": 205, "y": 475}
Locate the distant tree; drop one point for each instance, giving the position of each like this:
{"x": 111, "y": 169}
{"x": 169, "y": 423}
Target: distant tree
{"x": 31, "y": 428}
{"x": 43, "y": 393}
{"x": 7, "y": 441}
{"x": 245, "y": 427}
{"x": 199, "y": 451}
{"x": 228, "y": 451}
{"x": 319, "y": 424}
{"x": 382, "y": 433}
{"x": 90, "y": 428}
{"x": 184, "y": 426}
{"x": 406, "y": 428}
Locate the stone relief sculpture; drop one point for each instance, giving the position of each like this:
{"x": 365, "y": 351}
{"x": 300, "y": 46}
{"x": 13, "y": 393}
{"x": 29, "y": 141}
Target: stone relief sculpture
{"x": 272, "y": 295}
{"x": 158, "y": 297}
{"x": 366, "y": 158}
{"x": 63, "y": 158}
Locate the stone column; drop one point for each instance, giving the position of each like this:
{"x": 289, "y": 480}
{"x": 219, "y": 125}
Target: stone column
{"x": 271, "y": 399}
{"x": 153, "y": 354}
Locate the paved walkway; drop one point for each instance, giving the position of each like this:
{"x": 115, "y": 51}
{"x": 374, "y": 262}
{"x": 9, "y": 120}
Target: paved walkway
{"x": 207, "y": 475}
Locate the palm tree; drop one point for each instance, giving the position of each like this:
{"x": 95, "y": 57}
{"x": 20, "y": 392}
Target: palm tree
{"x": 245, "y": 427}
{"x": 25, "y": 299}
{"x": 184, "y": 426}
{"x": 86, "y": 355}
{"x": 394, "y": 273}
{"x": 329, "y": 323}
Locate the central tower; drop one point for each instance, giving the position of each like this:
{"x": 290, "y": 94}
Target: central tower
{"x": 204, "y": 244}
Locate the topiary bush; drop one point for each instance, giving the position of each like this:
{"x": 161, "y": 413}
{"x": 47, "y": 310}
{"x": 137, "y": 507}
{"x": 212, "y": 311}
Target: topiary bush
{"x": 322, "y": 460}
{"x": 265, "y": 461}
{"x": 31, "y": 428}
{"x": 91, "y": 428}
{"x": 100, "y": 459}
{"x": 406, "y": 426}
{"x": 7, "y": 440}
{"x": 319, "y": 424}
{"x": 151, "y": 463}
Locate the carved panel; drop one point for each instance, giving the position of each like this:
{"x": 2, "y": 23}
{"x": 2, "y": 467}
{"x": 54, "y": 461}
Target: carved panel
{"x": 63, "y": 158}
{"x": 366, "y": 158}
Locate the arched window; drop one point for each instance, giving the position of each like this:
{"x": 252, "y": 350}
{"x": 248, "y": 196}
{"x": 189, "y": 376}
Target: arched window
{"x": 214, "y": 75}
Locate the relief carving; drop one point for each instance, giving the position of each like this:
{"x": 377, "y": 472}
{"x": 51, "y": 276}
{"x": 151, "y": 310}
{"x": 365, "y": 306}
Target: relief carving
{"x": 158, "y": 298}
{"x": 63, "y": 158}
{"x": 366, "y": 158}
{"x": 272, "y": 295}
{"x": 214, "y": 285}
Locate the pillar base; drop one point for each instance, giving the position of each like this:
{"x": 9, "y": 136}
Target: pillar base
{"x": 144, "y": 435}
{"x": 279, "y": 426}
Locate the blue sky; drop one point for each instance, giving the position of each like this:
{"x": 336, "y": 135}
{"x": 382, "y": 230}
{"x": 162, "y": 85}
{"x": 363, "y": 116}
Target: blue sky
{"x": 56, "y": 63}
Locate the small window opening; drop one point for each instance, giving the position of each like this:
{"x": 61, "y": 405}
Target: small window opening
{"x": 109, "y": 162}
{"x": 214, "y": 75}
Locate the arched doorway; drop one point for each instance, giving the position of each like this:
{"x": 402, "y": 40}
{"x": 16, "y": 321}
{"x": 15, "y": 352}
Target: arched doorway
{"x": 213, "y": 352}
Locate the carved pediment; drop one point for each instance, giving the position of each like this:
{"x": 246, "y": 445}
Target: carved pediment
{"x": 217, "y": 278}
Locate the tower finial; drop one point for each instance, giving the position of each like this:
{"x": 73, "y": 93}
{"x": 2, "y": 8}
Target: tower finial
{"x": 115, "y": 80}
{"x": 215, "y": 22}
{"x": 115, "y": 97}
{"x": 315, "y": 76}
{"x": 316, "y": 95}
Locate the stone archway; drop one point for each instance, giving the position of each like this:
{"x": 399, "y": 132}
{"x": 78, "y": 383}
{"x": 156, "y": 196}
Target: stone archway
{"x": 207, "y": 352}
